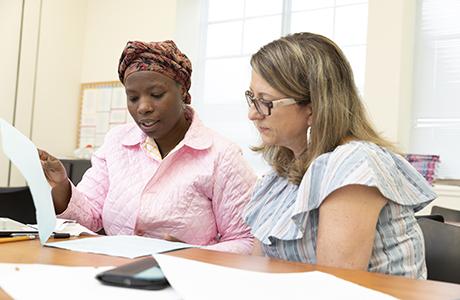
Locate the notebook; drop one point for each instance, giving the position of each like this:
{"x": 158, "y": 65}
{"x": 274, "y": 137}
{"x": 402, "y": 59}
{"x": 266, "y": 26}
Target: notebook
{"x": 9, "y": 227}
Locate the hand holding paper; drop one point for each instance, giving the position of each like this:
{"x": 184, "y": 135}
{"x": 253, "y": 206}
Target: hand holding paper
{"x": 23, "y": 154}
{"x": 54, "y": 170}
{"x": 57, "y": 177}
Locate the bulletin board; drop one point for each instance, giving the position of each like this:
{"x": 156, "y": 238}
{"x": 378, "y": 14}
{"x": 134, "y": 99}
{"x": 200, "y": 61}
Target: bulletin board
{"x": 102, "y": 106}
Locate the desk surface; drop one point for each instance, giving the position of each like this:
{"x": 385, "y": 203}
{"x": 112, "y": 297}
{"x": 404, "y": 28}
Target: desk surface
{"x": 32, "y": 252}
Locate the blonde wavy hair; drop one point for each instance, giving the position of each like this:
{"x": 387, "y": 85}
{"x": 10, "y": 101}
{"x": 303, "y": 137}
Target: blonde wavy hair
{"x": 310, "y": 66}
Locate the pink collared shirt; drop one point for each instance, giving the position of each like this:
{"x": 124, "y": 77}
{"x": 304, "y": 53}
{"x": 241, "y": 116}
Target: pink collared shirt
{"x": 195, "y": 194}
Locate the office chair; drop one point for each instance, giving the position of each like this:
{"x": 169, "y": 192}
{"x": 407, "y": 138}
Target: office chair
{"x": 437, "y": 218}
{"x": 16, "y": 203}
{"x": 450, "y": 215}
{"x": 442, "y": 250}
{"x": 76, "y": 168}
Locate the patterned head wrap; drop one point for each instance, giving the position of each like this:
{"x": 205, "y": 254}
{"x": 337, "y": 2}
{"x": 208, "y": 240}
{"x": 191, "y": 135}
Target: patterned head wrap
{"x": 162, "y": 57}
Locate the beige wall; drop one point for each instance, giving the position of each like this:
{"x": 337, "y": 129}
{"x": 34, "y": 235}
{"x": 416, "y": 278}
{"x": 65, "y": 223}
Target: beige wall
{"x": 66, "y": 43}
{"x": 58, "y": 74}
{"x": 10, "y": 26}
{"x": 25, "y": 93}
{"x": 49, "y": 75}
{"x": 111, "y": 23}
{"x": 389, "y": 67}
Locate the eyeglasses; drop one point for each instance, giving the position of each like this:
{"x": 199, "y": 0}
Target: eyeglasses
{"x": 264, "y": 107}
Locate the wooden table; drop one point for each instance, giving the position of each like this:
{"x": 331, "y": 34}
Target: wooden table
{"x": 32, "y": 252}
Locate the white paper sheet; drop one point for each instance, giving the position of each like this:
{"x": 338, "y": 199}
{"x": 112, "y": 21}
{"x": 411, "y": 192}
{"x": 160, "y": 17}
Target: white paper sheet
{"x": 130, "y": 246}
{"x": 102, "y": 122}
{"x": 88, "y": 120}
{"x": 88, "y": 132}
{"x": 195, "y": 280}
{"x": 36, "y": 281}
{"x": 118, "y": 98}
{"x": 23, "y": 154}
{"x": 68, "y": 226}
{"x": 118, "y": 116}
{"x": 103, "y": 97}
{"x": 89, "y": 101}
{"x": 72, "y": 228}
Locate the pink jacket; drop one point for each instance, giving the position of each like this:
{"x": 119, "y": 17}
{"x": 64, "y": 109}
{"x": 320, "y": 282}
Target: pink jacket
{"x": 196, "y": 194}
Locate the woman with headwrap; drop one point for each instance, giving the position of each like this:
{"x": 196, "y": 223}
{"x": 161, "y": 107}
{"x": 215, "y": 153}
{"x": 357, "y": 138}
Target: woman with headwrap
{"x": 166, "y": 176}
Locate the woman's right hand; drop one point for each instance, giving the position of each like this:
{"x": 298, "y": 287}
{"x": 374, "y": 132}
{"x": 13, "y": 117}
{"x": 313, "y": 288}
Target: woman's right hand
{"x": 54, "y": 170}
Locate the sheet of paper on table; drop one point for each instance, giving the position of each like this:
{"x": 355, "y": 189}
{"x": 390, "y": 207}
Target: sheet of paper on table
{"x": 69, "y": 226}
{"x": 195, "y": 280}
{"x": 35, "y": 281}
{"x": 72, "y": 228}
{"x": 130, "y": 246}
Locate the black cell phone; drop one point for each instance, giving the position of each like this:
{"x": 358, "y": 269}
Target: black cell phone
{"x": 141, "y": 274}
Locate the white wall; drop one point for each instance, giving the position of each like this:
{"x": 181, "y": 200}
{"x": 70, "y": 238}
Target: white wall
{"x": 448, "y": 196}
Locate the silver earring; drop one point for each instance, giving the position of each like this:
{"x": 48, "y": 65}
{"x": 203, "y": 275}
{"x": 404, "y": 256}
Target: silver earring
{"x": 309, "y": 135}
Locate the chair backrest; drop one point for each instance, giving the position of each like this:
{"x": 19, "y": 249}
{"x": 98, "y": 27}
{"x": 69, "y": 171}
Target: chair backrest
{"x": 16, "y": 203}
{"x": 442, "y": 250}
{"x": 76, "y": 168}
{"x": 438, "y": 218}
{"x": 450, "y": 215}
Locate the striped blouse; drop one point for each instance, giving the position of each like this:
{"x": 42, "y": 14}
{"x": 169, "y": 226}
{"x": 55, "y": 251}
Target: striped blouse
{"x": 284, "y": 216}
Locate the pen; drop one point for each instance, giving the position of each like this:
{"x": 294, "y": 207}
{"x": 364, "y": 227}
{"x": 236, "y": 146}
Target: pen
{"x": 17, "y": 238}
{"x": 56, "y": 235}
{"x": 61, "y": 235}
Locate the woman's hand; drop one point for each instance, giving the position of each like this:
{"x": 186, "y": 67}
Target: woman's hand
{"x": 170, "y": 238}
{"x": 257, "y": 248}
{"x": 57, "y": 178}
{"x": 54, "y": 170}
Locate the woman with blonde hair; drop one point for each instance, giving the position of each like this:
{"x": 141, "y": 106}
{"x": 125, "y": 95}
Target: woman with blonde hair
{"x": 338, "y": 194}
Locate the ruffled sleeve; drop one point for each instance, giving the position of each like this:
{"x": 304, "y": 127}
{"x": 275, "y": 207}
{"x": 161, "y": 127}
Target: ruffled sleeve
{"x": 355, "y": 163}
{"x": 361, "y": 163}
